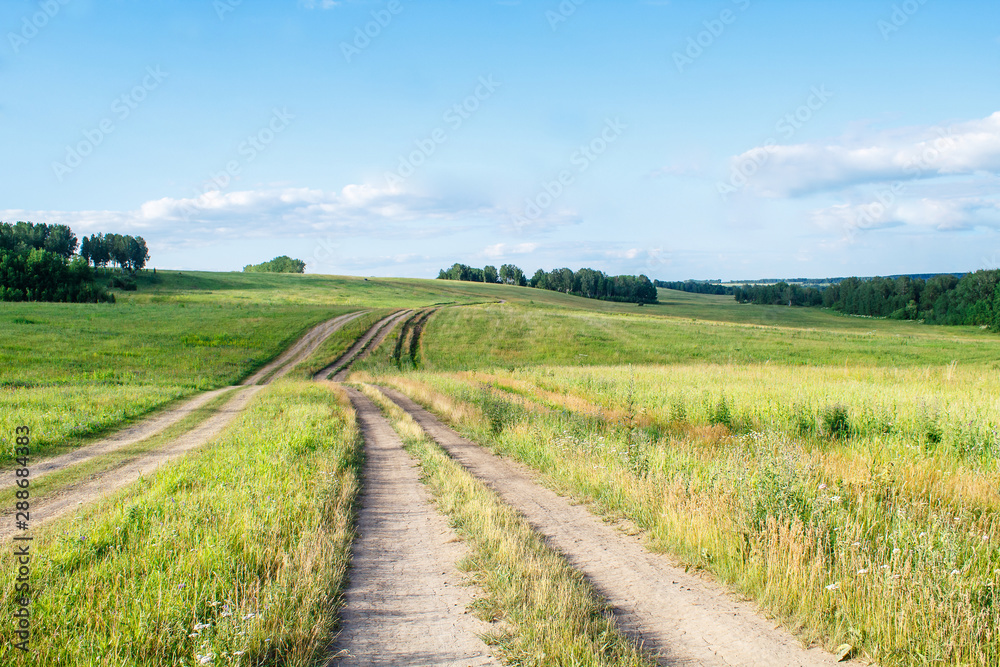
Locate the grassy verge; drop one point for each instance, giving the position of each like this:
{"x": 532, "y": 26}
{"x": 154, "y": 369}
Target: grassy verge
{"x": 339, "y": 342}
{"x": 233, "y": 555}
{"x": 868, "y": 555}
{"x": 73, "y": 372}
{"x": 551, "y": 614}
{"x": 65, "y": 478}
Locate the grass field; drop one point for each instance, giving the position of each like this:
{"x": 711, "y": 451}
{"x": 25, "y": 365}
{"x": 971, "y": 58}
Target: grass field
{"x": 880, "y": 531}
{"x": 840, "y": 471}
{"x": 238, "y": 552}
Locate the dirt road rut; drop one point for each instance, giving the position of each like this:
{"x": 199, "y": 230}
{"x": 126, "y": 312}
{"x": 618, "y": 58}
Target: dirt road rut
{"x": 405, "y": 602}
{"x": 679, "y": 617}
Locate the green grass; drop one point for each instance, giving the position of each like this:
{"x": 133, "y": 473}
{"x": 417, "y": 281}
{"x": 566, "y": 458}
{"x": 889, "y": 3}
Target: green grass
{"x": 521, "y": 335}
{"x": 550, "y": 616}
{"x": 340, "y": 342}
{"x": 238, "y": 551}
{"x": 65, "y": 478}
{"x": 879, "y": 536}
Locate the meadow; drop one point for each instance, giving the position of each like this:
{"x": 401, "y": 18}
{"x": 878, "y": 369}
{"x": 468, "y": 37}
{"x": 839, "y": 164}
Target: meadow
{"x": 840, "y": 471}
{"x": 233, "y": 555}
{"x": 859, "y": 505}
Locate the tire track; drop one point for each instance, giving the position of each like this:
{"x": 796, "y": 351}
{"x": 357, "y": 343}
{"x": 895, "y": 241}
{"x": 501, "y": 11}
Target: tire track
{"x": 68, "y": 498}
{"x": 301, "y": 349}
{"x": 678, "y": 616}
{"x": 342, "y": 364}
{"x": 405, "y": 603}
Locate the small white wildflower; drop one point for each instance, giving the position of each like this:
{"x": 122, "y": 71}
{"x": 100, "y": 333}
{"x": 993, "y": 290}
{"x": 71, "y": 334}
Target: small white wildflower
{"x": 205, "y": 659}
{"x": 986, "y": 538}
{"x": 857, "y": 544}
{"x": 954, "y": 572}
{"x": 885, "y": 567}
{"x": 193, "y": 634}
{"x": 822, "y": 486}
{"x": 833, "y": 587}
{"x": 923, "y": 534}
{"x": 863, "y": 571}
{"x": 895, "y": 551}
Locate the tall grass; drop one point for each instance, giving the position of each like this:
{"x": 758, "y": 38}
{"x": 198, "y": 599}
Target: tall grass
{"x": 233, "y": 555}
{"x": 75, "y": 371}
{"x": 847, "y": 543}
{"x": 549, "y": 615}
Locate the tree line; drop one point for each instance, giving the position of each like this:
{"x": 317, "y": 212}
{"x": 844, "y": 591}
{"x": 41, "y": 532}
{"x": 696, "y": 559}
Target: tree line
{"x": 778, "y": 294}
{"x": 695, "y": 286}
{"x": 507, "y": 274}
{"x": 589, "y": 283}
{"x": 973, "y": 299}
{"x": 39, "y": 262}
{"x": 126, "y": 252}
{"x": 283, "y": 264}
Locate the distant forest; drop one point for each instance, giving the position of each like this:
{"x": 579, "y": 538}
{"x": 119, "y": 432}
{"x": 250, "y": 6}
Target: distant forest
{"x": 973, "y": 299}
{"x": 39, "y": 262}
{"x": 283, "y": 264}
{"x": 695, "y": 286}
{"x": 588, "y": 283}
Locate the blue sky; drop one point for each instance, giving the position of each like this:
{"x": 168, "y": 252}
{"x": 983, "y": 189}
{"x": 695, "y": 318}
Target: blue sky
{"x": 730, "y": 139}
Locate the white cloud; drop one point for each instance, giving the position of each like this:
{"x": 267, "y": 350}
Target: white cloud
{"x": 357, "y": 210}
{"x": 503, "y": 249}
{"x": 957, "y": 214}
{"x": 912, "y": 153}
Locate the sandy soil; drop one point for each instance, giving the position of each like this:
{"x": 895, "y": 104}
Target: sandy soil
{"x": 406, "y": 604}
{"x": 682, "y": 618}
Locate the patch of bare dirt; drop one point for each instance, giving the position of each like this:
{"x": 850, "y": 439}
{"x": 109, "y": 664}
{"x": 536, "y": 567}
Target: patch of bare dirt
{"x": 405, "y": 602}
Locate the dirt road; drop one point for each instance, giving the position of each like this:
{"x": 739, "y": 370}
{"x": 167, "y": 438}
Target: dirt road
{"x": 343, "y": 364}
{"x": 406, "y": 604}
{"x": 108, "y": 481}
{"x": 65, "y": 500}
{"x": 680, "y": 617}
{"x": 301, "y": 349}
